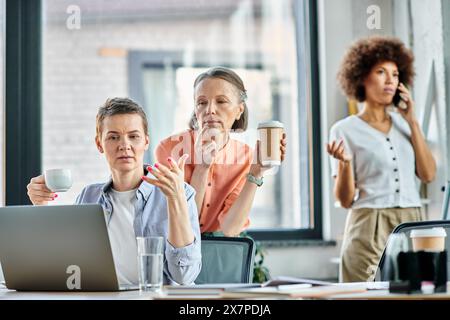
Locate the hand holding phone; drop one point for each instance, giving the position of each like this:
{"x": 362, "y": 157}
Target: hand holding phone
{"x": 398, "y": 101}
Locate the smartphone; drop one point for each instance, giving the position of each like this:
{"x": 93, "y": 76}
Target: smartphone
{"x": 398, "y": 101}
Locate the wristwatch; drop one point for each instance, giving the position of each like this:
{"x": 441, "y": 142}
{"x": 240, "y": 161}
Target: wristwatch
{"x": 251, "y": 178}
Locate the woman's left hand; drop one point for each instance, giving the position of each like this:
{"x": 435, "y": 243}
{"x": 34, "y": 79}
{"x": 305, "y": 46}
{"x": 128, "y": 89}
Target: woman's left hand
{"x": 169, "y": 179}
{"x": 408, "y": 112}
{"x": 258, "y": 169}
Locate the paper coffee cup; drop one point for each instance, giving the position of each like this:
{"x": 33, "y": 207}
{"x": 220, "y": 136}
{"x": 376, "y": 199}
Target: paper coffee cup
{"x": 432, "y": 239}
{"x": 270, "y": 134}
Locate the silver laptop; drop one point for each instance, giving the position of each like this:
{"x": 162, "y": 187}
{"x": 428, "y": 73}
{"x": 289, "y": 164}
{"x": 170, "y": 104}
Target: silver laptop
{"x": 57, "y": 248}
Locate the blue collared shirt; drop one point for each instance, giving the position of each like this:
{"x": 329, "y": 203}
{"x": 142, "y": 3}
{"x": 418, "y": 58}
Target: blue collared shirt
{"x": 181, "y": 265}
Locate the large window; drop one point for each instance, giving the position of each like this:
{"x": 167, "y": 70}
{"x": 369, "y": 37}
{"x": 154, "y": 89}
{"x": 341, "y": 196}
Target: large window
{"x": 2, "y": 99}
{"x": 152, "y": 52}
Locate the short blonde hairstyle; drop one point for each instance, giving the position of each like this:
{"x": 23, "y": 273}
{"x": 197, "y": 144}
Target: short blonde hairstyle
{"x": 115, "y": 106}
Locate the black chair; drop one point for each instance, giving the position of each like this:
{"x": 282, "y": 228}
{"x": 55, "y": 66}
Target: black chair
{"x": 383, "y": 273}
{"x": 226, "y": 260}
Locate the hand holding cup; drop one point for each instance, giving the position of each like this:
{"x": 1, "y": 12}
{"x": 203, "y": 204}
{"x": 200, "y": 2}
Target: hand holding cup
{"x": 42, "y": 188}
{"x": 270, "y": 148}
{"x": 38, "y": 192}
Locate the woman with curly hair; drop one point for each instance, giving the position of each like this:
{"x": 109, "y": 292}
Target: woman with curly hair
{"x": 377, "y": 154}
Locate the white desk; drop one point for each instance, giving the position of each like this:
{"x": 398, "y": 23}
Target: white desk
{"x": 6, "y": 294}
{"x": 385, "y": 295}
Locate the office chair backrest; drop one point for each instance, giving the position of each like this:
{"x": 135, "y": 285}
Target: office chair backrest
{"x": 226, "y": 260}
{"x": 446, "y": 203}
{"x": 383, "y": 273}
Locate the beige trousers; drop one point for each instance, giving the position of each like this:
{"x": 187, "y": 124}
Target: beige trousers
{"x": 365, "y": 236}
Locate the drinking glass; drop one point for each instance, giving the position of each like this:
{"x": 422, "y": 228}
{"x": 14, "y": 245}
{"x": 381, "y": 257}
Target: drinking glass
{"x": 150, "y": 263}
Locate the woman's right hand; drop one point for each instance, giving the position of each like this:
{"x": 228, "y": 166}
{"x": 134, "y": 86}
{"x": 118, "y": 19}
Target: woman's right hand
{"x": 205, "y": 147}
{"x": 337, "y": 151}
{"x": 38, "y": 192}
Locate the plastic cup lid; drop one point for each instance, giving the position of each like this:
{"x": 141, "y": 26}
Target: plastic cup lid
{"x": 270, "y": 124}
{"x": 432, "y": 232}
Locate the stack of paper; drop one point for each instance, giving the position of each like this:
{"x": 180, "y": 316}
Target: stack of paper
{"x": 203, "y": 290}
{"x": 283, "y": 280}
{"x": 279, "y": 287}
{"x": 292, "y": 291}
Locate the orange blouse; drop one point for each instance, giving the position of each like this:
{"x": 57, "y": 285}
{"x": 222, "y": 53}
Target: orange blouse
{"x": 226, "y": 177}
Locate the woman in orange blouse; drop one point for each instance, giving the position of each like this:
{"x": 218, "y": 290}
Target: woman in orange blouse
{"x": 221, "y": 170}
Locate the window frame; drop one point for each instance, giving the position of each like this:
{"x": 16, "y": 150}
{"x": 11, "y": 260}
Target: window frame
{"x": 305, "y": 12}
{"x": 22, "y": 124}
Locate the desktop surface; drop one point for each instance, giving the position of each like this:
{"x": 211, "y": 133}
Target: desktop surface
{"x": 372, "y": 294}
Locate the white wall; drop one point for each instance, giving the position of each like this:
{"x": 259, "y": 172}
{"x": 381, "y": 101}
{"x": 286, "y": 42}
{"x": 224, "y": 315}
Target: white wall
{"x": 427, "y": 44}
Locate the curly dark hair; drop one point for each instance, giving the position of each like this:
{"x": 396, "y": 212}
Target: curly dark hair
{"x": 364, "y": 54}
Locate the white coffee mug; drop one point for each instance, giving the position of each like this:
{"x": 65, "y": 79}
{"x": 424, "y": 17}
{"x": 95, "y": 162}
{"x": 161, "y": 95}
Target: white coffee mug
{"x": 58, "y": 180}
